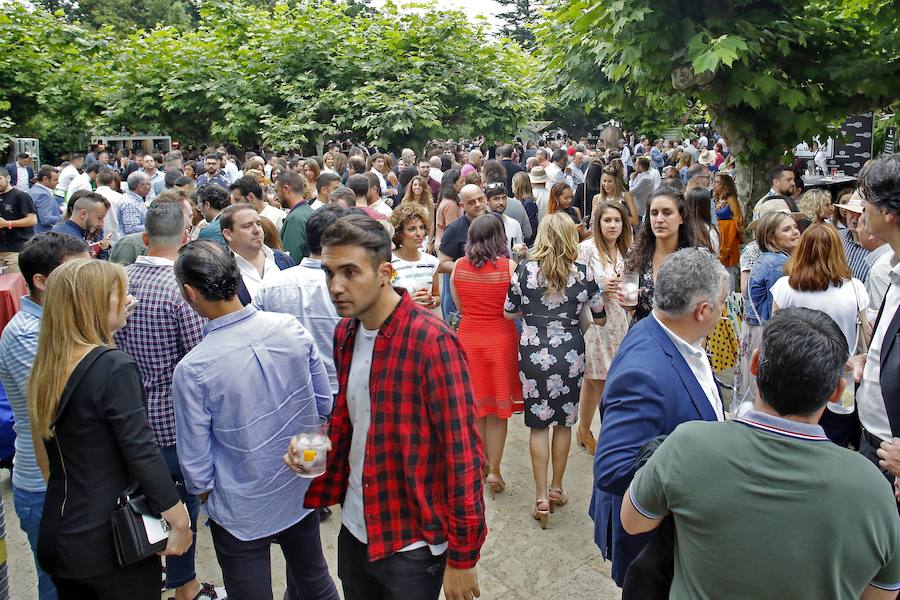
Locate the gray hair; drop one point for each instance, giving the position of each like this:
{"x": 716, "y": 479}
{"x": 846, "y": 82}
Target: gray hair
{"x": 136, "y": 179}
{"x": 164, "y": 224}
{"x": 687, "y": 277}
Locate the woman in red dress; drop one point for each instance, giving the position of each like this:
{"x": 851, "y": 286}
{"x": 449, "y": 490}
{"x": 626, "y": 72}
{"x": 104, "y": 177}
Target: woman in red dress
{"x": 479, "y": 283}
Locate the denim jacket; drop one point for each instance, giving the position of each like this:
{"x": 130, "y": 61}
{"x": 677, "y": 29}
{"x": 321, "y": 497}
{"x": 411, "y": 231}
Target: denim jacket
{"x": 767, "y": 270}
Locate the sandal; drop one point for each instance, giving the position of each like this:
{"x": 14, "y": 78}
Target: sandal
{"x": 541, "y": 511}
{"x": 557, "y": 497}
{"x": 495, "y": 483}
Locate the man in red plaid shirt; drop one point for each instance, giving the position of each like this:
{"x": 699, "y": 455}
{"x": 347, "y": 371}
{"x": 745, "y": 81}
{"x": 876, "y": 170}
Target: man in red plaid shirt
{"x": 405, "y": 461}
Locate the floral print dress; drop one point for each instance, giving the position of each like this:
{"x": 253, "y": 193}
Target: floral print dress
{"x": 601, "y": 342}
{"x": 551, "y": 347}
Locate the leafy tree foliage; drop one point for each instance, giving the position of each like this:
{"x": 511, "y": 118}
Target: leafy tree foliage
{"x": 770, "y": 73}
{"x": 125, "y": 15}
{"x": 312, "y": 69}
{"x": 248, "y": 73}
{"x": 48, "y": 71}
{"x": 519, "y": 16}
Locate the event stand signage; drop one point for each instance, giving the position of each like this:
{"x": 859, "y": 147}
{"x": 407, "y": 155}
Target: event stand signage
{"x": 853, "y": 147}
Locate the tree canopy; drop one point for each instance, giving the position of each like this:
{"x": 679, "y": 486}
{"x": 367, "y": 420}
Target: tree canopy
{"x": 770, "y": 73}
{"x": 281, "y": 76}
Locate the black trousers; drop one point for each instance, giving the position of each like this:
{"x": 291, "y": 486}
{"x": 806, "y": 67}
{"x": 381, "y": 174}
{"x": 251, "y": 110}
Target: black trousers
{"x": 140, "y": 581}
{"x": 247, "y": 565}
{"x": 413, "y": 575}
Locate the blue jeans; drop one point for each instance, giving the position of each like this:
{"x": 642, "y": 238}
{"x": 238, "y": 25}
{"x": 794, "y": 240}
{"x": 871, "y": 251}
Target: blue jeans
{"x": 180, "y": 569}
{"x": 29, "y": 508}
{"x": 447, "y": 305}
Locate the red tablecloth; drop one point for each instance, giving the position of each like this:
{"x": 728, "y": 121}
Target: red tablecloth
{"x": 12, "y": 287}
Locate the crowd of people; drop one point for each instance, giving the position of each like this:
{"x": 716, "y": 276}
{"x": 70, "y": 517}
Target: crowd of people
{"x": 187, "y": 313}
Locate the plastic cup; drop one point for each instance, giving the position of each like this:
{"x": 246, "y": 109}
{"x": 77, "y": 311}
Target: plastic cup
{"x": 628, "y": 287}
{"x": 312, "y": 445}
{"x": 847, "y": 401}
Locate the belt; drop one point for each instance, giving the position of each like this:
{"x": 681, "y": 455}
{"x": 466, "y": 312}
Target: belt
{"x": 874, "y": 440}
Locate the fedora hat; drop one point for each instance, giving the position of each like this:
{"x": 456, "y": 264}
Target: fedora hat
{"x": 775, "y": 205}
{"x": 707, "y": 157}
{"x": 854, "y": 203}
{"x": 538, "y": 175}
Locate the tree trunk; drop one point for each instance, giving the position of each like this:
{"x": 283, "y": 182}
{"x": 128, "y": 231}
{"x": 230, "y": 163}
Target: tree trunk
{"x": 749, "y": 174}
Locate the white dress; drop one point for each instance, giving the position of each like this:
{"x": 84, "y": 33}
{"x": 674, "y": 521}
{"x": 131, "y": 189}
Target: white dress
{"x": 601, "y": 342}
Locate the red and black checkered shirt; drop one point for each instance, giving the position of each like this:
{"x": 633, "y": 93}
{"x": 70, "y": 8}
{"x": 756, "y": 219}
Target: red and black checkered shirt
{"x": 422, "y": 468}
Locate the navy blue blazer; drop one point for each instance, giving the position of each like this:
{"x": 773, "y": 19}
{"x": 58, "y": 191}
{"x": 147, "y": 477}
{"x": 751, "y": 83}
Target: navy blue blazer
{"x": 282, "y": 260}
{"x": 650, "y": 390}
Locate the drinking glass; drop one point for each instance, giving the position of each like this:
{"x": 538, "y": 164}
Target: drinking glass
{"x": 629, "y": 288}
{"x": 312, "y": 445}
{"x": 847, "y": 400}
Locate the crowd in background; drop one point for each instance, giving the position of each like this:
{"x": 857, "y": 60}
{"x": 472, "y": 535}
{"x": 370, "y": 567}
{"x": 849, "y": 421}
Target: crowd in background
{"x": 468, "y": 283}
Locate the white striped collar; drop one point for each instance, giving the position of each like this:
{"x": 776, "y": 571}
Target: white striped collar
{"x": 783, "y": 427}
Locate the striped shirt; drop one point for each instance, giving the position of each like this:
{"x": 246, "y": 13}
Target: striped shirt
{"x": 162, "y": 329}
{"x": 856, "y": 255}
{"x": 18, "y": 347}
{"x": 413, "y": 276}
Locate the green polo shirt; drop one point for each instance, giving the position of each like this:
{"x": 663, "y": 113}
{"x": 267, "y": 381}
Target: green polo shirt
{"x": 765, "y": 507}
{"x": 127, "y": 249}
{"x": 293, "y": 231}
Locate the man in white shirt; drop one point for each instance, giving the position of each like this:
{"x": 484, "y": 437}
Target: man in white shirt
{"x": 105, "y": 179}
{"x": 84, "y": 181}
{"x": 435, "y": 173}
{"x": 693, "y": 148}
{"x": 551, "y": 168}
{"x": 496, "y": 197}
{"x": 157, "y": 177}
{"x": 229, "y": 168}
{"x": 242, "y": 230}
{"x": 325, "y": 183}
{"x": 703, "y": 142}
{"x": 302, "y": 291}
{"x": 878, "y": 394}
{"x": 69, "y": 172}
{"x": 643, "y": 181}
{"x": 373, "y": 198}
{"x": 247, "y": 190}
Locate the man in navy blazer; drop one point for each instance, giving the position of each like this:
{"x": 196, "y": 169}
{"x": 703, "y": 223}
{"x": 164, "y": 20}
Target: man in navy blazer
{"x": 23, "y": 161}
{"x": 660, "y": 378}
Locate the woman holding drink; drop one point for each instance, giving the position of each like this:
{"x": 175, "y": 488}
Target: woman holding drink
{"x": 663, "y": 232}
{"x": 414, "y": 270}
{"x": 604, "y": 254}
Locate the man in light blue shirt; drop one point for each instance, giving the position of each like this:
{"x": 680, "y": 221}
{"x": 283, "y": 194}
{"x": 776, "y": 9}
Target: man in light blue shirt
{"x": 239, "y": 397}
{"x": 303, "y": 292}
{"x": 18, "y": 347}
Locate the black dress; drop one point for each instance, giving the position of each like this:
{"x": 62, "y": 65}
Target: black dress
{"x": 101, "y": 444}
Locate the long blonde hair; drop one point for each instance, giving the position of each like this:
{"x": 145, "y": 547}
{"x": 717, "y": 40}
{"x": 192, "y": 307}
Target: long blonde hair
{"x": 76, "y": 309}
{"x": 556, "y": 249}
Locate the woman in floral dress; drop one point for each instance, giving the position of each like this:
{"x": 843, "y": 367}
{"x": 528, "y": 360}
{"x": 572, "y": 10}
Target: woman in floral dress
{"x": 604, "y": 254}
{"x": 548, "y": 293}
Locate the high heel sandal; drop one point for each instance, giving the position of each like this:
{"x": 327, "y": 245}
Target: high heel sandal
{"x": 495, "y": 483}
{"x": 557, "y": 497}
{"x": 586, "y": 440}
{"x": 541, "y": 511}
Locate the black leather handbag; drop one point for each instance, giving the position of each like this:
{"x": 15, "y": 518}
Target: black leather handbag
{"x": 137, "y": 532}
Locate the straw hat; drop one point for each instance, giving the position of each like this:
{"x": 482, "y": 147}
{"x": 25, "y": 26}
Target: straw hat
{"x": 854, "y": 203}
{"x": 707, "y": 157}
{"x": 775, "y": 205}
{"x": 538, "y": 175}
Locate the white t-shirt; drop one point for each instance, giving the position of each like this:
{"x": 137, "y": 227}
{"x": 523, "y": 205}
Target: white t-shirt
{"x": 513, "y": 232}
{"x": 413, "y": 276}
{"x": 22, "y": 181}
{"x": 359, "y": 404}
{"x": 840, "y": 303}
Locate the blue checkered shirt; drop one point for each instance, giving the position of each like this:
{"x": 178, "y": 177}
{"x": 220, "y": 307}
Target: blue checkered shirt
{"x": 131, "y": 212}
{"x": 856, "y": 255}
{"x": 162, "y": 329}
